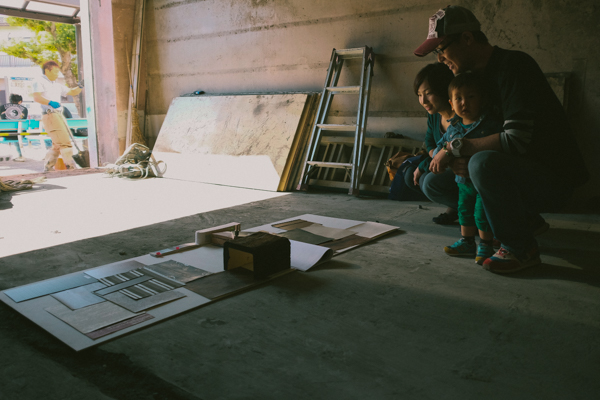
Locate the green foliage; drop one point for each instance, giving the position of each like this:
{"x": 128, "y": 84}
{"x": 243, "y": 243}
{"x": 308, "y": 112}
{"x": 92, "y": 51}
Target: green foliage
{"x": 52, "y": 41}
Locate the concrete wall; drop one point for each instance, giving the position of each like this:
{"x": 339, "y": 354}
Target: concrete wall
{"x": 241, "y": 46}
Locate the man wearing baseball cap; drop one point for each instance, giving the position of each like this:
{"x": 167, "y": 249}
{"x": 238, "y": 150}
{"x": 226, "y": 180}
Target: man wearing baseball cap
{"x": 534, "y": 164}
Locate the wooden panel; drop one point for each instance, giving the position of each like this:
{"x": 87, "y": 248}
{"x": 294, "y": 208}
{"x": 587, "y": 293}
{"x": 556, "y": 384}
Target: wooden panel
{"x": 374, "y": 175}
{"x": 243, "y": 140}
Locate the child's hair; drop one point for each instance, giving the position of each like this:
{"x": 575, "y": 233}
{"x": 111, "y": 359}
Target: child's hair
{"x": 438, "y": 76}
{"x": 470, "y": 80}
{"x": 15, "y": 98}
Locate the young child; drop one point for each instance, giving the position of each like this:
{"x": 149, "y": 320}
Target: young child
{"x": 468, "y": 100}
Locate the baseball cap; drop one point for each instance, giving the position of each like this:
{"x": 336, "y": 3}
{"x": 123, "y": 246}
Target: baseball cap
{"x": 447, "y": 21}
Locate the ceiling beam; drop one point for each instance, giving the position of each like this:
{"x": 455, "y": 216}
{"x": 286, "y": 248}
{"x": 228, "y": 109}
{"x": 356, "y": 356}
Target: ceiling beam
{"x": 13, "y": 12}
{"x": 67, "y": 3}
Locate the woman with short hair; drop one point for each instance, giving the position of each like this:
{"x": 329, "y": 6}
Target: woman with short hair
{"x": 431, "y": 87}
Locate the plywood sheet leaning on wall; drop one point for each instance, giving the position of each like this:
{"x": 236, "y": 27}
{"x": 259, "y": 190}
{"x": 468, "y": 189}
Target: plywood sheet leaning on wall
{"x": 248, "y": 141}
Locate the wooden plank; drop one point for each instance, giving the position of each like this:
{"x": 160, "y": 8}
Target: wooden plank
{"x": 242, "y": 140}
{"x": 138, "y": 29}
{"x": 310, "y": 122}
{"x": 384, "y": 170}
{"x": 344, "y": 185}
{"x": 373, "y": 175}
{"x": 338, "y": 159}
{"x": 405, "y": 143}
{"x": 331, "y": 157}
{"x": 292, "y": 169}
{"x": 366, "y": 160}
{"x": 327, "y": 148}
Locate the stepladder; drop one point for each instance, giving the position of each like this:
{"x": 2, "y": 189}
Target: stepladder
{"x": 352, "y": 167}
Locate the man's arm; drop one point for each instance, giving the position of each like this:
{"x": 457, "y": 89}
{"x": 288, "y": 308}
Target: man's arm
{"x": 74, "y": 91}
{"x": 469, "y": 147}
{"x": 472, "y": 146}
{"x": 38, "y": 98}
{"x": 521, "y": 86}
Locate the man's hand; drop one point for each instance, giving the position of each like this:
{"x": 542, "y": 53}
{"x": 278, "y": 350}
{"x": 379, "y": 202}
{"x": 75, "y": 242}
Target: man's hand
{"x": 460, "y": 166}
{"x": 440, "y": 162}
{"x": 74, "y": 91}
{"x": 54, "y": 104}
{"x": 416, "y": 176}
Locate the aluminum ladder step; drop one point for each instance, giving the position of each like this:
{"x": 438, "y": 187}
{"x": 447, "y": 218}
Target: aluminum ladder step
{"x": 334, "y": 127}
{"x": 344, "y": 89}
{"x": 330, "y": 164}
{"x": 350, "y": 53}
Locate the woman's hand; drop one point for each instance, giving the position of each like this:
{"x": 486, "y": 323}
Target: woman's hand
{"x": 460, "y": 166}
{"x": 416, "y": 176}
{"x": 440, "y": 162}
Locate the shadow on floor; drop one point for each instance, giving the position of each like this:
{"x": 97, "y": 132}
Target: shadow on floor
{"x": 5, "y": 201}
{"x": 115, "y": 375}
{"x": 578, "y": 248}
{"x": 6, "y": 197}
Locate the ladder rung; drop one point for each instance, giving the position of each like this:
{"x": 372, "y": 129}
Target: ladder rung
{"x": 350, "y": 53}
{"x": 332, "y": 127}
{"x": 344, "y": 89}
{"x": 329, "y": 164}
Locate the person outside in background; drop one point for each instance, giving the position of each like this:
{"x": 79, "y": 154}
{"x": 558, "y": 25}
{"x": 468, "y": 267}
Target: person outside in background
{"x": 15, "y": 110}
{"x": 472, "y": 120}
{"x": 16, "y": 105}
{"x": 530, "y": 166}
{"x": 431, "y": 87}
{"x": 48, "y": 92}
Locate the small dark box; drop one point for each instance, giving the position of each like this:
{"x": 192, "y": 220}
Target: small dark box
{"x": 263, "y": 253}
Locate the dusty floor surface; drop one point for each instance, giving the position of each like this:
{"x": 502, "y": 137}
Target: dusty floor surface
{"x": 395, "y": 319}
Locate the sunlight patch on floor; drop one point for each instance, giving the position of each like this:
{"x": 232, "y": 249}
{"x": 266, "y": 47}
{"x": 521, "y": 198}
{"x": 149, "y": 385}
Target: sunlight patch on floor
{"x": 67, "y": 209}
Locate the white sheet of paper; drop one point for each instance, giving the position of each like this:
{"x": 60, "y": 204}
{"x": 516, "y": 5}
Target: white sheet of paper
{"x": 304, "y": 256}
{"x": 373, "y": 229}
{"x": 208, "y": 258}
{"x": 326, "y": 231}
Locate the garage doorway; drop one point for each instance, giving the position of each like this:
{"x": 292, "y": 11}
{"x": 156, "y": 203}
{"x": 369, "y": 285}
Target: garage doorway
{"x": 74, "y": 13}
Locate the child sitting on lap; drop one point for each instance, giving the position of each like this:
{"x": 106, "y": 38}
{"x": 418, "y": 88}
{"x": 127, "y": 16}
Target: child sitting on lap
{"x": 468, "y": 100}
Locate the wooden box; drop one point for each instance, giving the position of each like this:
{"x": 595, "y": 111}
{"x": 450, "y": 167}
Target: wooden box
{"x": 262, "y": 253}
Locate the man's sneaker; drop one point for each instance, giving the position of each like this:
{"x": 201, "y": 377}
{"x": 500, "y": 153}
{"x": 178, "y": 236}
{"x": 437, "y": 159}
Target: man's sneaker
{"x": 537, "y": 230}
{"x": 484, "y": 251}
{"x": 505, "y": 262}
{"x": 461, "y": 248}
{"x": 445, "y": 219}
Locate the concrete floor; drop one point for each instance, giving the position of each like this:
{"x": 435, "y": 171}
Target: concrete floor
{"x": 395, "y": 319}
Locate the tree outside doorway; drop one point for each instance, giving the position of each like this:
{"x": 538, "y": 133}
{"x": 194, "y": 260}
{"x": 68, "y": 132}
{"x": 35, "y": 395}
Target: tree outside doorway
{"x": 52, "y": 41}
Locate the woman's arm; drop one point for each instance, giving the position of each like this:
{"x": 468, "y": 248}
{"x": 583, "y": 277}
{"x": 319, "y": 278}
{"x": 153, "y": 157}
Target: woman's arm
{"x": 430, "y": 141}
